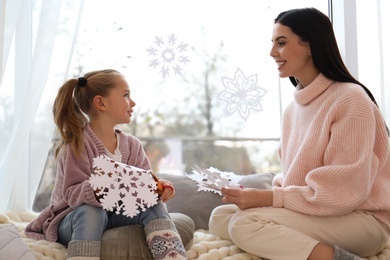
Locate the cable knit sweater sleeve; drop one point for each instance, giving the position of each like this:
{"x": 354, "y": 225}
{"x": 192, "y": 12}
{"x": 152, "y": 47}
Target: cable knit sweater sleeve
{"x": 72, "y": 187}
{"x": 74, "y": 174}
{"x": 334, "y": 152}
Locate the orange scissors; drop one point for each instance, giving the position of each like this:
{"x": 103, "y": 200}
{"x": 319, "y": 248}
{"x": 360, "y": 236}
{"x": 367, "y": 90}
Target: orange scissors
{"x": 160, "y": 187}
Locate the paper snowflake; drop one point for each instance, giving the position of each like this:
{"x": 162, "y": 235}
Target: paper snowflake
{"x": 122, "y": 188}
{"x": 213, "y": 179}
{"x": 168, "y": 55}
{"x": 241, "y": 94}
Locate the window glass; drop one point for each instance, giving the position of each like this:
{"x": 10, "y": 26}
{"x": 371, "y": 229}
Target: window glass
{"x": 373, "y": 37}
{"x": 206, "y": 89}
{"x": 197, "y": 69}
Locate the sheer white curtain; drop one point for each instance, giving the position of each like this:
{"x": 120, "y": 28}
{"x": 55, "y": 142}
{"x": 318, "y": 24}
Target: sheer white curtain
{"x": 37, "y": 45}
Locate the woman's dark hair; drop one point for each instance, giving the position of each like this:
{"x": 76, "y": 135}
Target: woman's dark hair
{"x": 315, "y": 27}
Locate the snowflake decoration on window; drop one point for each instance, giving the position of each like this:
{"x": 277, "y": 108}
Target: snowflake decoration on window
{"x": 213, "y": 179}
{"x": 121, "y": 188}
{"x": 241, "y": 94}
{"x": 168, "y": 55}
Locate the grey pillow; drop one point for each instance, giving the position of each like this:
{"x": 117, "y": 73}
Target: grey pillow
{"x": 12, "y": 245}
{"x": 128, "y": 242}
{"x": 199, "y": 204}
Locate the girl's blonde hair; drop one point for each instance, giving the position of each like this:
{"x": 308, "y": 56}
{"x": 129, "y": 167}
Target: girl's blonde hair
{"x": 73, "y": 104}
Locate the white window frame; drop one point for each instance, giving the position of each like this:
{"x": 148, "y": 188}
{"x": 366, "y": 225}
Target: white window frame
{"x": 343, "y": 16}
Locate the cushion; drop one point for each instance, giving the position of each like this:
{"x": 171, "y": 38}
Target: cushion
{"x": 12, "y": 245}
{"x": 128, "y": 242}
{"x": 199, "y": 204}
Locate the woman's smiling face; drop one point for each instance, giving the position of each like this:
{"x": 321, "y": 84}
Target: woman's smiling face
{"x": 291, "y": 54}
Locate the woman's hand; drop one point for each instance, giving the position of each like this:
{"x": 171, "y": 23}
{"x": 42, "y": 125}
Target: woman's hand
{"x": 168, "y": 191}
{"x": 245, "y": 198}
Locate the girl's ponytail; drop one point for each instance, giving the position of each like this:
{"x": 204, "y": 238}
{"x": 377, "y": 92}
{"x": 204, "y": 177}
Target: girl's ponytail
{"x": 74, "y": 102}
{"x": 68, "y": 117}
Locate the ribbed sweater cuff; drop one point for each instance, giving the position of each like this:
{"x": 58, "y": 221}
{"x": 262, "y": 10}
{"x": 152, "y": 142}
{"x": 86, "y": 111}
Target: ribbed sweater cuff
{"x": 84, "y": 248}
{"x": 277, "y": 197}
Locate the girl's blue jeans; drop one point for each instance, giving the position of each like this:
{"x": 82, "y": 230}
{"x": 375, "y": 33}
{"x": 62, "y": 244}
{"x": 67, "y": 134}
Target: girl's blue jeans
{"x": 88, "y": 222}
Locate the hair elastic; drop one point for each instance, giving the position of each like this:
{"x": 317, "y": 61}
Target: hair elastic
{"x": 82, "y": 82}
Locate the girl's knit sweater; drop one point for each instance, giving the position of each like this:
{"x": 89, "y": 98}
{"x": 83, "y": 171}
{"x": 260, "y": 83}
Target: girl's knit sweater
{"x": 334, "y": 153}
{"x": 72, "y": 187}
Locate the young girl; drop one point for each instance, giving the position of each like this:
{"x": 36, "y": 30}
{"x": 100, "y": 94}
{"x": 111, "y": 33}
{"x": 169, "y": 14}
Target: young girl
{"x": 86, "y": 111}
{"x": 332, "y": 198}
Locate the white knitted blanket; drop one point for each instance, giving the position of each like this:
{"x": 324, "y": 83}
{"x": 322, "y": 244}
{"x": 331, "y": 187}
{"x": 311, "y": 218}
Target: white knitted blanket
{"x": 42, "y": 250}
{"x": 204, "y": 246}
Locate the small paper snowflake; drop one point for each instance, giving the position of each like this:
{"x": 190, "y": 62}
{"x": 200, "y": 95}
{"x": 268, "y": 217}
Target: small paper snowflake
{"x": 122, "y": 188}
{"x": 241, "y": 94}
{"x": 168, "y": 55}
{"x": 213, "y": 179}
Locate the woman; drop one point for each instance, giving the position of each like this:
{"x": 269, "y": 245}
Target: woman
{"x": 331, "y": 201}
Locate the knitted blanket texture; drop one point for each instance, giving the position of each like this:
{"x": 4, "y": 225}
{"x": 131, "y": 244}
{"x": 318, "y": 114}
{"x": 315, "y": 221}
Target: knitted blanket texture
{"x": 204, "y": 245}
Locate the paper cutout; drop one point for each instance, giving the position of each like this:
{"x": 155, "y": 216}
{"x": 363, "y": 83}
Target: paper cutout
{"x": 241, "y": 94}
{"x": 213, "y": 180}
{"x": 168, "y": 55}
{"x": 122, "y": 188}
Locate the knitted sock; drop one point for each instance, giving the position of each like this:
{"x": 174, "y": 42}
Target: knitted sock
{"x": 77, "y": 249}
{"x": 164, "y": 241}
{"x": 340, "y": 254}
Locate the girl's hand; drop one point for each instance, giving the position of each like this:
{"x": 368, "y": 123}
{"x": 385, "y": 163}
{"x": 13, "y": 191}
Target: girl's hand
{"x": 168, "y": 191}
{"x": 245, "y": 198}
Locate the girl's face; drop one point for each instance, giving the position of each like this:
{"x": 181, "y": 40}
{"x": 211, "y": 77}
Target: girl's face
{"x": 119, "y": 104}
{"x": 291, "y": 54}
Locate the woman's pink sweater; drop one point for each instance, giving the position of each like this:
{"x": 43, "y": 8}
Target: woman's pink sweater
{"x": 334, "y": 153}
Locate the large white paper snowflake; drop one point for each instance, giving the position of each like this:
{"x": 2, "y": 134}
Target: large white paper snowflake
{"x": 122, "y": 188}
{"x": 167, "y": 55}
{"x": 241, "y": 94}
{"x": 213, "y": 180}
